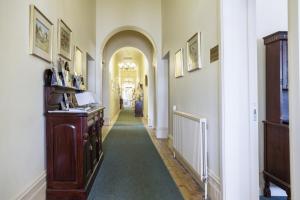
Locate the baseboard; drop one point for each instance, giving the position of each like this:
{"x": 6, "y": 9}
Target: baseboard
{"x": 214, "y": 182}
{"x": 214, "y": 186}
{"x": 170, "y": 142}
{"x": 36, "y": 191}
{"x": 261, "y": 183}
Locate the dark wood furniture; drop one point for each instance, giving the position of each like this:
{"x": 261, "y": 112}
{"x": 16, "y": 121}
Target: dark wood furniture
{"x": 276, "y": 128}
{"x": 74, "y": 145}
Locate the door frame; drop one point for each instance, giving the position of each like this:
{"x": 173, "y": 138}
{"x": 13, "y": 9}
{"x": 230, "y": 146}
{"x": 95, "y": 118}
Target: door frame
{"x": 294, "y": 94}
{"x": 239, "y": 140}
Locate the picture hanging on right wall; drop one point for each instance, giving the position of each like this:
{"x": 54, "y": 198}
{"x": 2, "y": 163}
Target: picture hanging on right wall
{"x": 193, "y": 49}
{"x": 179, "y": 63}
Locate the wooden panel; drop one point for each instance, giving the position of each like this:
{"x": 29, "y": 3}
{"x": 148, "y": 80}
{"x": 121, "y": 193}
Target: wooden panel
{"x": 87, "y": 168}
{"x": 276, "y": 133}
{"x": 273, "y": 82}
{"x": 64, "y": 152}
{"x": 277, "y": 151}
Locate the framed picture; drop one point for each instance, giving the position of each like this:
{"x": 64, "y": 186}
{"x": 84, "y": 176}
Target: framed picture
{"x": 193, "y": 49}
{"x": 179, "y": 63}
{"x": 64, "y": 37}
{"x": 41, "y": 34}
{"x": 146, "y": 80}
{"x": 78, "y": 61}
{"x": 78, "y": 66}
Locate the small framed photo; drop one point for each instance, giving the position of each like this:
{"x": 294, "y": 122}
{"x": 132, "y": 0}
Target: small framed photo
{"x": 64, "y": 40}
{"x": 41, "y": 34}
{"x": 193, "y": 49}
{"x": 179, "y": 63}
{"x": 55, "y": 80}
{"x": 66, "y": 101}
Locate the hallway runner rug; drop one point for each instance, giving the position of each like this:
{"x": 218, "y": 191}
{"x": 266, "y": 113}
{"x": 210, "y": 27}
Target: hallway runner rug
{"x": 132, "y": 168}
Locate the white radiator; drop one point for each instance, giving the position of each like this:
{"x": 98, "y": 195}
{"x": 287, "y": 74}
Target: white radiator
{"x": 190, "y": 144}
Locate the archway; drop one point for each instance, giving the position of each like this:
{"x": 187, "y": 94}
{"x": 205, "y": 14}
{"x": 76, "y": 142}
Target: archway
{"x": 128, "y": 69}
{"x": 140, "y": 42}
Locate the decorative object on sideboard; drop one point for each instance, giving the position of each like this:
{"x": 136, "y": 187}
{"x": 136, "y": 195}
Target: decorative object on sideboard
{"x": 56, "y": 79}
{"x": 41, "y": 34}
{"x": 179, "y": 63}
{"x": 77, "y": 81}
{"x": 193, "y": 50}
{"x": 64, "y": 38}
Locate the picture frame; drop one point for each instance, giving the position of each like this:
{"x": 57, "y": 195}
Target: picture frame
{"x": 78, "y": 61}
{"x": 78, "y": 66}
{"x": 146, "y": 80}
{"x": 193, "y": 50}
{"x": 64, "y": 39}
{"x": 41, "y": 35}
{"x": 55, "y": 79}
{"x": 179, "y": 63}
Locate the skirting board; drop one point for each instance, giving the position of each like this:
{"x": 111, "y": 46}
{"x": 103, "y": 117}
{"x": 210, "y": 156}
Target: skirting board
{"x": 214, "y": 183}
{"x": 170, "y": 142}
{"x": 36, "y": 191}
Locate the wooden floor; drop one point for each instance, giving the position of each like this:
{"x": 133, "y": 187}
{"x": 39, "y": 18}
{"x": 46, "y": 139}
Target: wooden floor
{"x": 184, "y": 181}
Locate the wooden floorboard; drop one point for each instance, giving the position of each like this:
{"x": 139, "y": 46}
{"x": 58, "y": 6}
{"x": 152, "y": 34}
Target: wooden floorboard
{"x": 183, "y": 179}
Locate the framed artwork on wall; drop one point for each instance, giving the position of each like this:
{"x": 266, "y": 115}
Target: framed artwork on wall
{"x": 41, "y": 34}
{"x": 179, "y": 63}
{"x": 146, "y": 80}
{"x": 64, "y": 38}
{"x": 78, "y": 61}
{"x": 78, "y": 66}
{"x": 193, "y": 50}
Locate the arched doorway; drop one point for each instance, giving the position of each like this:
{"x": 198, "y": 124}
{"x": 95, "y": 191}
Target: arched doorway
{"x": 128, "y": 69}
{"x": 143, "y": 46}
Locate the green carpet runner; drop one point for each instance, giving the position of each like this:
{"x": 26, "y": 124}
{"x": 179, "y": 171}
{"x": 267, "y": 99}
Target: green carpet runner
{"x": 132, "y": 168}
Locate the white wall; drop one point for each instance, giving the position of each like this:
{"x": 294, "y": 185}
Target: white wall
{"x": 271, "y": 16}
{"x": 114, "y": 98}
{"x": 22, "y": 138}
{"x": 196, "y": 92}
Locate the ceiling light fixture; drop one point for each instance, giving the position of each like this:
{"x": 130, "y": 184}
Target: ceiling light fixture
{"x": 127, "y": 65}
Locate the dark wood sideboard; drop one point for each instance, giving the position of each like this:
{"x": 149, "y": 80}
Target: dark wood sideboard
{"x": 74, "y": 145}
{"x": 276, "y": 126}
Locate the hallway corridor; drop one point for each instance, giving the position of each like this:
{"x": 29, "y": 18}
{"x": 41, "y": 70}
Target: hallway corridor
{"x": 132, "y": 168}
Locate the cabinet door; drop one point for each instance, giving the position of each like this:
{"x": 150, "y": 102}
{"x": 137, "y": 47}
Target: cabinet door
{"x": 63, "y": 165}
{"x": 87, "y": 167}
{"x": 94, "y": 143}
